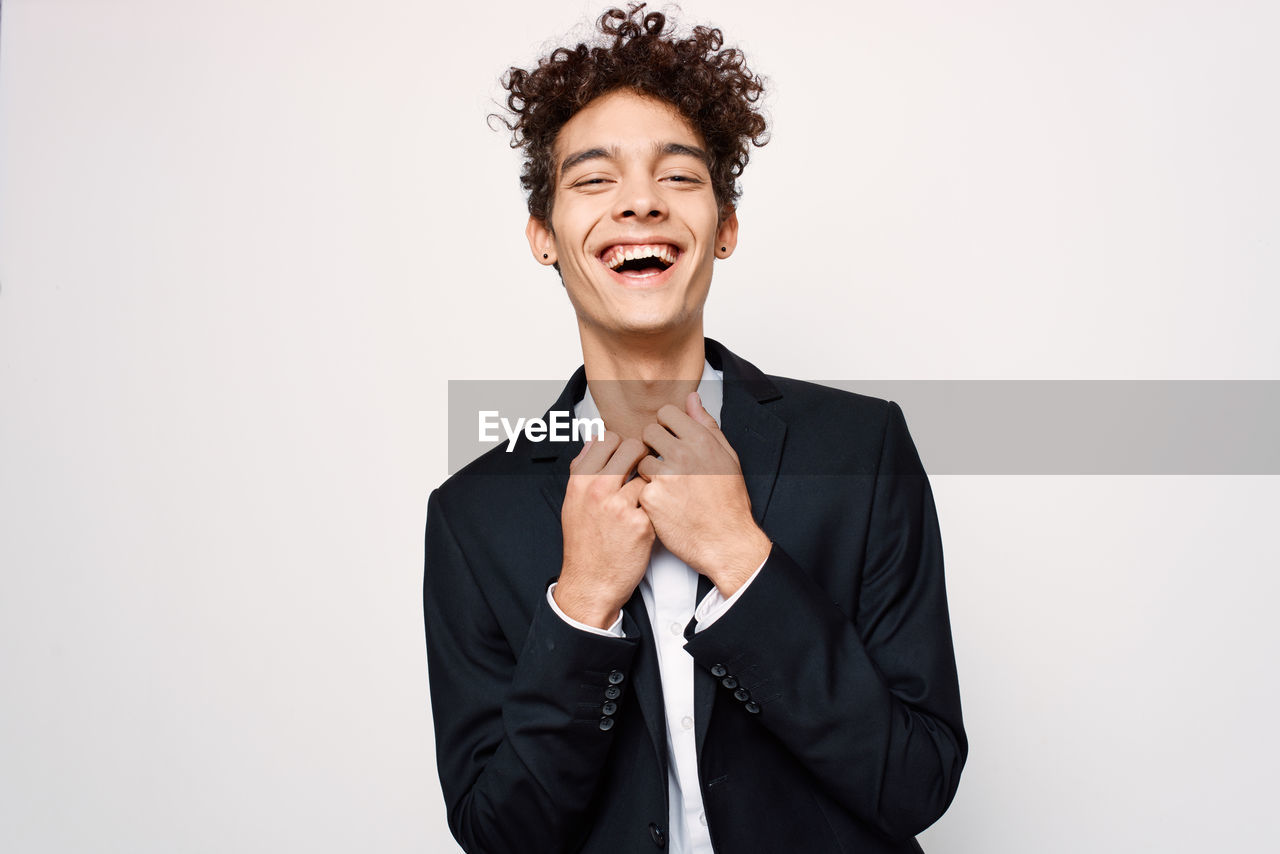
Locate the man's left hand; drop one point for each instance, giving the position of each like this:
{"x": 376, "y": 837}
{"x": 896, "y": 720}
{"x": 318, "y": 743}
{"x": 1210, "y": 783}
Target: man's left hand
{"x": 697, "y": 499}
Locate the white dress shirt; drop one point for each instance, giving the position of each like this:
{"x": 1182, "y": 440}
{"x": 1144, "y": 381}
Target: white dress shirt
{"x": 670, "y": 590}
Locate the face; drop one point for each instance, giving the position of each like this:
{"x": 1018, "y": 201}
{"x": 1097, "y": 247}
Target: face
{"x": 635, "y": 225}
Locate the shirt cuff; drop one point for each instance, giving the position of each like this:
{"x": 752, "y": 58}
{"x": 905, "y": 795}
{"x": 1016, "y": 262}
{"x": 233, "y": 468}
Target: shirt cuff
{"x": 614, "y": 631}
{"x": 714, "y": 606}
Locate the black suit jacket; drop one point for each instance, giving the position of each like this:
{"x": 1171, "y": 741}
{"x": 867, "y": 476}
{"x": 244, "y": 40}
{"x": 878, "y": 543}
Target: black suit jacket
{"x": 827, "y": 706}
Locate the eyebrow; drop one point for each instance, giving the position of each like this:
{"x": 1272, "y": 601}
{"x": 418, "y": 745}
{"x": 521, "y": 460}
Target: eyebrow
{"x": 612, "y": 153}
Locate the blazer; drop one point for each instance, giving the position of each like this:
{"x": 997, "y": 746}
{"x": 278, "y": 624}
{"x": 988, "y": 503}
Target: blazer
{"x": 826, "y": 701}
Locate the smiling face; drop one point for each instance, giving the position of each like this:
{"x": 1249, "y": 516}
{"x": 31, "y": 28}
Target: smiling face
{"x": 635, "y": 225}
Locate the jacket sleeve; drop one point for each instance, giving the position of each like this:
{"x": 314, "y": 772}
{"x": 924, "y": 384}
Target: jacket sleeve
{"x": 868, "y": 702}
{"x": 520, "y": 740}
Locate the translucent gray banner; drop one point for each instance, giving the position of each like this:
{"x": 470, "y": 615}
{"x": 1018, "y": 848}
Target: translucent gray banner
{"x": 1141, "y": 427}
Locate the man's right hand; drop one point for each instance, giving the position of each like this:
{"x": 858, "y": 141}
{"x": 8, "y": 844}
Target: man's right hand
{"x": 607, "y": 537}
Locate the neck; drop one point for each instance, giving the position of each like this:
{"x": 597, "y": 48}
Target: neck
{"x": 632, "y": 377}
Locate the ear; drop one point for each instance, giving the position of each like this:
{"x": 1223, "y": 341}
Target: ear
{"x": 727, "y": 234}
{"x": 542, "y": 241}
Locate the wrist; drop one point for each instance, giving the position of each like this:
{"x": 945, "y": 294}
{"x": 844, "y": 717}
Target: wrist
{"x": 583, "y": 606}
{"x": 738, "y": 560}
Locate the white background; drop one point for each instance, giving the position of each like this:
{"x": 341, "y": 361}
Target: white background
{"x": 244, "y": 245}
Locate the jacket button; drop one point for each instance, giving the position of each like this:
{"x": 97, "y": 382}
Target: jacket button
{"x": 741, "y": 695}
{"x": 606, "y": 724}
{"x": 609, "y": 707}
{"x": 753, "y": 708}
{"x": 656, "y": 834}
{"x": 613, "y": 692}
{"x": 718, "y": 670}
{"x": 616, "y": 677}
{"x": 729, "y": 682}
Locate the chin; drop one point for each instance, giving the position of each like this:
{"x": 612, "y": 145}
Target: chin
{"x": 651, "y": 324}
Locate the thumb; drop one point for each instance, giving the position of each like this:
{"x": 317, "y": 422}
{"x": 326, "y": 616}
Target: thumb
{"x": 698, "y": 412}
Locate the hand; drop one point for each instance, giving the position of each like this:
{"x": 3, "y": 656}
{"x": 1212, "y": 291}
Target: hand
{"x": 704, "y": 519}
{"x": 607, "y": 537}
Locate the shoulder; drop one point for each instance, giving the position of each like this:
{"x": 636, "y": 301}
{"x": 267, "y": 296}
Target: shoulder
{"x": 832, "y": 430}
{"x": 491, "y": 485}
{"x": 812, "y": 401}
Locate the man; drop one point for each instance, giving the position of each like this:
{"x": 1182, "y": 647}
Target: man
{"x": 723, "y": 626}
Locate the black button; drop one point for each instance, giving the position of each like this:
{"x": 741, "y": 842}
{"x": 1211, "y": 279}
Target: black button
{"x": 616, "y": 677}
{"x": 718, "y": 670}
{"x": 729, "y": 682}
{"x": 613, "y": 692}
{"x": 609, "y": 707}
{"x": 753, "y": 708}
{"x": 606, "y": 724}
{"x": 742, "y": 695}
{"x": 655, "y": 833}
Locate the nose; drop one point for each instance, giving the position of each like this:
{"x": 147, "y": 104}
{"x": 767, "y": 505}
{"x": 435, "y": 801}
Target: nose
{"x": 640, "y": 198}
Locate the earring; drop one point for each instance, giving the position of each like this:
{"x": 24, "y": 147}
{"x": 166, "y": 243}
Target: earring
{"x": 724, "y": 248}
{"x": 544, "y": 255}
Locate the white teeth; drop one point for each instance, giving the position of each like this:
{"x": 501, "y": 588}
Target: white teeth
{"x": 616, "y": 256}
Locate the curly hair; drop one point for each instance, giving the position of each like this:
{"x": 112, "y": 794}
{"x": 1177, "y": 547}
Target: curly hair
{"x": 711, "y": 87}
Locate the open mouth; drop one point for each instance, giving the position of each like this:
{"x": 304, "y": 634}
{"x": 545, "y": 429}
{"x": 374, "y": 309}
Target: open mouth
{"x": 640, "y": 261}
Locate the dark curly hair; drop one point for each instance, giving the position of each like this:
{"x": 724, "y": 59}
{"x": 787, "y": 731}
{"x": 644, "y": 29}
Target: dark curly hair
{"x": 712, "y": 88}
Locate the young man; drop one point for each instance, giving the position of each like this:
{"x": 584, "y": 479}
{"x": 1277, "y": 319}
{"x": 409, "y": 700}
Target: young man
{"x": 722, "y": 627}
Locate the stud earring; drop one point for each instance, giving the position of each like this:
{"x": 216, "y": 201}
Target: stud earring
{"x": 724, "y": 248}
{"x": 544, "y": 255}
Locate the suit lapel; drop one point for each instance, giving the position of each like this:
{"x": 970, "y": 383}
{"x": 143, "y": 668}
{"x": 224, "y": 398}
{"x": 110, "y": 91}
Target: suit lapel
{"x": 755, "y": 433}
{"x": 556, "y": 456}
{"x": 646, "y": 677}
{"x": 757, "y": 436}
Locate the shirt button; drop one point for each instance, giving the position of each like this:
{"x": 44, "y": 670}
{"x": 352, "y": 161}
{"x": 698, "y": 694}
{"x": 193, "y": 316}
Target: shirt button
{"x": 686, "y": 722}
{"x": 676, "y": 629}
{"x": 702, "y": 819}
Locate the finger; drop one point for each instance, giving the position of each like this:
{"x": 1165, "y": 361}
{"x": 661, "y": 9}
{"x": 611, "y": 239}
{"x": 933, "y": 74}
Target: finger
{"x": 595, "y": 454}
{"x": 631, "y": 491}
{"x": 699, "y": 413}
{"x": 660, "y": 439}
{"x": 678, "y": 421}
{"x": 624, "y": 459}
{"x": 650, "y": 467}
{"x": 695, "y": 410}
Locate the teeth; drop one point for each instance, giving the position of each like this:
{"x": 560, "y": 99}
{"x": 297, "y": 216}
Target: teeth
{"x": 619, "y": 254}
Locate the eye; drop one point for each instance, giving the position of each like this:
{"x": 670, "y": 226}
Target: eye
{"x": 586, "y": 182}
